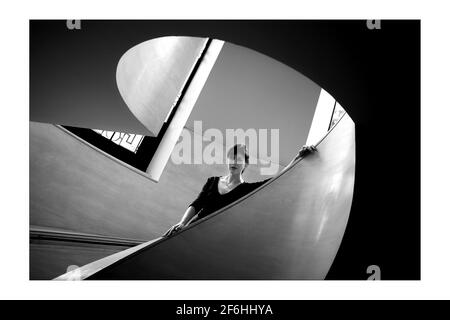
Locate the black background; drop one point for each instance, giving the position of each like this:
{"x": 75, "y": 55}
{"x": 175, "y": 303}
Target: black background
{"x": 373, "y": 74}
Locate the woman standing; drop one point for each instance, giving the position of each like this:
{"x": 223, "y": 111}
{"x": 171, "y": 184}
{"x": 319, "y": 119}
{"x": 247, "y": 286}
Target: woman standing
{"x": 218, "y": 192}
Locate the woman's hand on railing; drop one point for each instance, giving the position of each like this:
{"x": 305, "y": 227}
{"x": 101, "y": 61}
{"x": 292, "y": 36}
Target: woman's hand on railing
{"x": 304, "y": 151}
{"x": 185, "y": 220}
{"x": 174, "y": 229}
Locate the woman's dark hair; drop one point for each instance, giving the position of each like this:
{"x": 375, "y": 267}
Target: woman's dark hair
{"x": 233, "y": 151}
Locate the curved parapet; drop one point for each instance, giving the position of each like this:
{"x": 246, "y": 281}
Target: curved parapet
{"x": 289, "y": 228}
{"x": 150, "y": 76}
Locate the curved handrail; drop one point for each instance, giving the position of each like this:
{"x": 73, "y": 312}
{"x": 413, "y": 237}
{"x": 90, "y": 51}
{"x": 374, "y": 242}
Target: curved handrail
{"x": 247, "y": 195}
{"x": 115, "y": 259}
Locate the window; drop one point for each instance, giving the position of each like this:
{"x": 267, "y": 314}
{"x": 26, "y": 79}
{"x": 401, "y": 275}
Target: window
{"x": 133, "y": 149}
{"x": 338, "y": 112}
{"x": 327, "y": 114}
{"x": 129, "y": 141}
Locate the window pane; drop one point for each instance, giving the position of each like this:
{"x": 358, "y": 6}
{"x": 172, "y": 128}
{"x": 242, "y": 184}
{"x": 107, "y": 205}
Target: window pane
{"x": 129, "y": 141}
{"x": 338, "y": 113}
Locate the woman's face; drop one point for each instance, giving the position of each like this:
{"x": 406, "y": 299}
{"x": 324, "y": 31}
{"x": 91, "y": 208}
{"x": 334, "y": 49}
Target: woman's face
{"x": 236, "y": 164}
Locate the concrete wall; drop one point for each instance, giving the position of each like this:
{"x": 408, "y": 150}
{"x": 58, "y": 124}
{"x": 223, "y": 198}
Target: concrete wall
{"x": 75, "y": 187}
{"x": 249, "y": 90}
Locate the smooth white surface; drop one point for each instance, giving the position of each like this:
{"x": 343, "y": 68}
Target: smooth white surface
{"x": 151, "y": 74}
{"x": 170, "y": 138}
{"x": 254, "y": 92}
{"x": 322, "y": 118}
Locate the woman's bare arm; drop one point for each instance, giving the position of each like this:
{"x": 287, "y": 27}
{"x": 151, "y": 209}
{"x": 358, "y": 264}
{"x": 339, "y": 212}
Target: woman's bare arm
{"x": 188, "y": 215}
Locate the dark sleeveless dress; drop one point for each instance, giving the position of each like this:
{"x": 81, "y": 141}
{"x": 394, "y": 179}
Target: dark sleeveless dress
{"x": 210, "y": 200}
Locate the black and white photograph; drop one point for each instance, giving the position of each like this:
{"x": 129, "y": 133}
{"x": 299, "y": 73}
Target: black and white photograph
{"x": 224, "y": 160}
{"x": 218, "y": 150}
